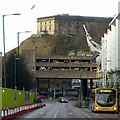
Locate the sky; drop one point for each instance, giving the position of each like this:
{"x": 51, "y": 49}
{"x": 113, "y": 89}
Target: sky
{"x": 30, "y": 10}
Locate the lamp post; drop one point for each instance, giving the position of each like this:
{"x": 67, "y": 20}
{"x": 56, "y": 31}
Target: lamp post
{"x": 18, "y": 58}
{"x": 18, "y": 34}
{"x": 15, "y": 70}
{"x": 80, "y": 90}
{"x": 4, "y": 45}
{"x": 0, "y": 69}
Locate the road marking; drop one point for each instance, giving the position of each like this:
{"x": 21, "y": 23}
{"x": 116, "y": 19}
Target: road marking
{"x": 42, "y": 113}
{"x": 84, "y": 113}
{"x": 70, "y": 113}
{"x": 98, "y": 115}
{"x": 87, "y": 110}
{"x": 56, "y": 112}
{"x": 94, "y": 114}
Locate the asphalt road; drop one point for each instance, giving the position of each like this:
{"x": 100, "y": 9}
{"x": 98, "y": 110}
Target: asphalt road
{"x": 55, "y": 109}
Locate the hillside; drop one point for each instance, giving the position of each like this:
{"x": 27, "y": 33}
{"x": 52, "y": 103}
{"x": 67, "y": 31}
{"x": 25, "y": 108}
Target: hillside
{"x": 63, "y": 44}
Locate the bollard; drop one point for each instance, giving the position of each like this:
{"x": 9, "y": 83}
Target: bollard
{"x": 6, "y": 112}
{"x": 11, "y": 113}
{"x": 2, "y": 113}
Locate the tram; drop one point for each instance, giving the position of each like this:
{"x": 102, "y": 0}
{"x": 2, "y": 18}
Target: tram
{"x": 105, "y": 99}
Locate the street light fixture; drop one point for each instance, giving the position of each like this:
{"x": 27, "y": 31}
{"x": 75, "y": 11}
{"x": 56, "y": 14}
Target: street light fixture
{"x": 4, "y": 45}
{"x": 80, "y": 90}
{"x": 18, "y": 33}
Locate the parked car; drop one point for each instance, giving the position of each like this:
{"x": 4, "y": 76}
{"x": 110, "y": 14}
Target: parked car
{"x": 41, "y": 96}
{"x": 38, "y": 100}
{"x": 59, "y": 99}
{"x": 62, "y": 100}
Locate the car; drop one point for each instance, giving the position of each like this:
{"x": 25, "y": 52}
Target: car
{"x": 41, "y": 96}
{"x": 62, "y": 100}
{"x": 59, "y": 99}
{"x": 38, "y": 100}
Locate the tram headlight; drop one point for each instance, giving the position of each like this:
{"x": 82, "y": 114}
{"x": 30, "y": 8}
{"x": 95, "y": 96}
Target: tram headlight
{"x": 114, "y": 108}
{"x": 97, "y": 108}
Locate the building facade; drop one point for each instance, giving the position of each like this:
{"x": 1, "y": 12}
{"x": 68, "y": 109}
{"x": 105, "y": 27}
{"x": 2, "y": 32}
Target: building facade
{"x": 64, "y": 24}
{"x": 57, "y": 72}
{"x": 111, "y": 51}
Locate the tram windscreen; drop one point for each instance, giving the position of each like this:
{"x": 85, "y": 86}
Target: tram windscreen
{"x": 105, "y": 97}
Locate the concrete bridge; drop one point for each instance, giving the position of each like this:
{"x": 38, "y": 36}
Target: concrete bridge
{"x": 58, "y": 72}
{"x": 66, "y": 67}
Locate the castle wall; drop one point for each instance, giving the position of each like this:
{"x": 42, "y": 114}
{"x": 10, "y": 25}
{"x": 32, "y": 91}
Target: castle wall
{"x": 66, "y": 24}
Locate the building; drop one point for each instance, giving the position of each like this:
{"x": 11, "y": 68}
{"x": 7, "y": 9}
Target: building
{"x": 110, "y": 52}
{"x": 65, "y": 24}
{"x": 57, "y": 72}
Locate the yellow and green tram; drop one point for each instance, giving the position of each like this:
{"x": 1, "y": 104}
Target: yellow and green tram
{"x": 105, "y": 99}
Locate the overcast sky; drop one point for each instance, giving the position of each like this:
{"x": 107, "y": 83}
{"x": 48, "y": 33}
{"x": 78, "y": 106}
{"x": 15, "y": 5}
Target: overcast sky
{"x": 42, "y": 8}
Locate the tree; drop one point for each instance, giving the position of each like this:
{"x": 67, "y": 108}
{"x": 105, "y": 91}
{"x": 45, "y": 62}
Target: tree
{"x": 17, "y": 73}
{"x": 26, "y": 78}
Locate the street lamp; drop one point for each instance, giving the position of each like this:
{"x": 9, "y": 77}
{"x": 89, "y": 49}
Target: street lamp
{"x": 18, "y": 33}
{"x": 0, "y": 69}
{"x": 80, "y": 91}
{"x": 4, "y": 45}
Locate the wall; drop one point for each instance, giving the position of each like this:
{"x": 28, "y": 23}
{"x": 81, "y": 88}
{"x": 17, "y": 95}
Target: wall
{"x": 46, "y": 25}
{"x": 67, "y": 24}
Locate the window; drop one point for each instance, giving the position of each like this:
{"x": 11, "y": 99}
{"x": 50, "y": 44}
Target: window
{"x": 40, "y": 28}
{"x": 49, "y": 27}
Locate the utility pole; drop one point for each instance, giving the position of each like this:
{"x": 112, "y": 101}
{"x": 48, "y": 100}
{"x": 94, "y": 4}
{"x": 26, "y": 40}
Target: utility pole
{"x": 80, "y": 88}
{"x": 4, "y": 45}
{"x": 15, "y": 85}
{"x": 81, "y": 96}
{"x": 15, "y": 70}
{"x": 18, "y": 58}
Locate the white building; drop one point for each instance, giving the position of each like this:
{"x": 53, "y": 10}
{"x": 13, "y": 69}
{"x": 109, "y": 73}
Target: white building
{"x": 111, "y": 50}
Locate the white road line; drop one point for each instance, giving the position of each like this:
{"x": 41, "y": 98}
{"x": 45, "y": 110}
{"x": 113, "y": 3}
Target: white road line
{"x": 70, "y": 113}
{"x": 87, "y": 110}
{"x": 84, "y": 113}
{"x": 94, "y": 114}
{"x": 56, "y": 112}
{"x": 98, "y": 115}
{"x": 42, "y": 113}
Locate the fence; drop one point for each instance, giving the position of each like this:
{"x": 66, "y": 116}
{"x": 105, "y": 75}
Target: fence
{"x": 13, "y": 97}
{"x": 16, "y": 102}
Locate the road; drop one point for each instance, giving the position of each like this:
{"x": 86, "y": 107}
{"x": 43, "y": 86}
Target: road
{"x": 55, "y": 109}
